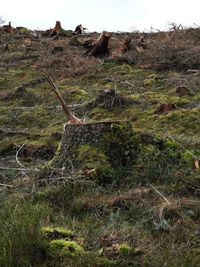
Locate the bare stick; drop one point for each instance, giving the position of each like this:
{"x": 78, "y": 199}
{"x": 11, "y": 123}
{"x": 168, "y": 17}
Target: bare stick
{"x": 72, "y": 118}
{"x": 7, "y": 185}
{"x": 195, "y": 157}
{"x": 18, "y": 169}
{"x": 17, "y": 154}
{"x": 160, "y": 194}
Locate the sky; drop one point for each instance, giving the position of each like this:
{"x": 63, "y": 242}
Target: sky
{"x": 99, "y": 15}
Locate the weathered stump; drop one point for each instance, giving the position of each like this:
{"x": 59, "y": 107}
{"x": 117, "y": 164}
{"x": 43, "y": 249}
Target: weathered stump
{"x": 8, "y": 28}
{"x": 126, "y": 45}
{"x": 79, "y": 29}
{"x": 57, "y": 29}
{"x": 100, "y": 48}
{"x": 116, "y": 139}
{"x": 142, "y": 43}
{"x": 77, "y": 135}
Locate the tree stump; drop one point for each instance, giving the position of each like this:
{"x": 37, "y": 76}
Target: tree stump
{"x": 79, "y": 29}
{"x": 8, "y": 28}
{"x": 57, "y": 29}
{"x": 100, "y": 48}
{"x": 142, "y": 43}
{"x": 126, "y": 45}
{"x": 116, "y": 139}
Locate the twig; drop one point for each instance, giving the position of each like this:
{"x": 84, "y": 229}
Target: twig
{"x": 17, "y": 154}
{"x": 129, "y": 83}
{"x": 18, "y": 169}
{"x": 7, "y": 185}
{"x": 45, "y": 107}
{"x": 170, "y": 136}
{"x": 160, "y": 194}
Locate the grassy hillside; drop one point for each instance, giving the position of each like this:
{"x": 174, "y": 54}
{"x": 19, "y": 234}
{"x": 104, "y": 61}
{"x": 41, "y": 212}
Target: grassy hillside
{"x": 99, "y": 213}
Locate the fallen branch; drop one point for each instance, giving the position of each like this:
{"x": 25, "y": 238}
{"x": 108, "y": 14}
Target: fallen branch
{"x": 18, "y": 169}
{"x": 7, "y": 185}
{"x": 160, "y": 194}
{"x": 17, "y": 154}
{"x": 47, "y": 107}
{"x": 194, "y": 156}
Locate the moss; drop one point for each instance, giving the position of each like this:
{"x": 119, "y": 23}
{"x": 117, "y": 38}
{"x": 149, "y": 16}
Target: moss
{"x": 99, "y": 114}
{"x": 104, "y": 262}
{"x": 149, "y": 82}
{"x": 170, "y": 145}
{"x": 74, "y": 94}
{"x": 57, "y": 232}
{"x": 126, "y": 250}
{"x": 187, "y": 156}
{"x": 121, "y": 145}
{"x": 92, "y": 158}
{"x": 63, "y": 248}
{"x": 24, "y": 30}
{"x": 92, "y": 214}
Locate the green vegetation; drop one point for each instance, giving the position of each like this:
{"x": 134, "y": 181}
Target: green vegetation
{"x": 130, "y": 201}
{"x": 21, "y": 242}
{"x": 63, "y": 248}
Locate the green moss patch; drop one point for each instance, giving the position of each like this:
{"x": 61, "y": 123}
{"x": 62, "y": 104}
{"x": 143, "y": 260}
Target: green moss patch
{"x": 63, "y": 248}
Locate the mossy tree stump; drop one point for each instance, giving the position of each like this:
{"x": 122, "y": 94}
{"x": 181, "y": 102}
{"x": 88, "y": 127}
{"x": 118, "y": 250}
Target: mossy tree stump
{"x": 116, "y": 140}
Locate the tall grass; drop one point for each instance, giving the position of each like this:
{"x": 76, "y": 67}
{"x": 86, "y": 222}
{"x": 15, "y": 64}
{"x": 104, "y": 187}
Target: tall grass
{"x": 21, "y": 240}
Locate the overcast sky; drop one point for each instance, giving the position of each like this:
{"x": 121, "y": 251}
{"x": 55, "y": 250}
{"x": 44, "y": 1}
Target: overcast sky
{"x": 98, "y": 15}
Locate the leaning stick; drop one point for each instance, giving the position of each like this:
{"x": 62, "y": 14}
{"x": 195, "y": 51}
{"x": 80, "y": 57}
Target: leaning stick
{"x": 72, "y": 118}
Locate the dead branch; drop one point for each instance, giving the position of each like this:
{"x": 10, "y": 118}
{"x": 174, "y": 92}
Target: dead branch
{"x": 17, "y": 154}
{"x": 18, "y": 169}
{"x": 174, "y": 27}
{"x": 188, "y": 151}
{"x": 7, "y": 185}
{"x": 47, "y": 107}
{"x": 72, "y": 118}
{"x": 160, "y": 194}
